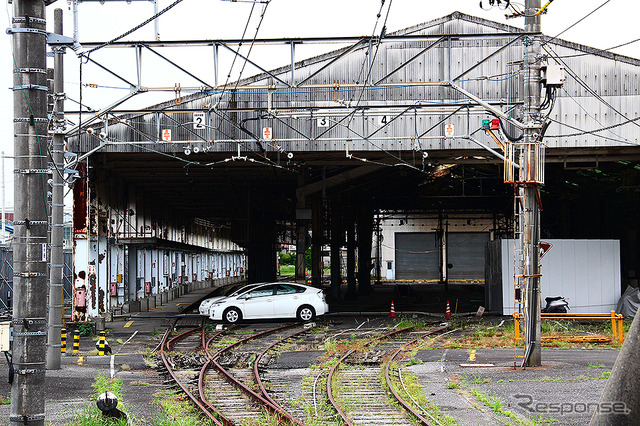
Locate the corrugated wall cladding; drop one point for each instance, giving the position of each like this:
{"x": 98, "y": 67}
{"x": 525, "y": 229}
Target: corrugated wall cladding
{"x": 326, "y": 111}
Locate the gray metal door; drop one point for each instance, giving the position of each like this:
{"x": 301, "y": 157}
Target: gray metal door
{"x": 466, "y": 254}
{"x": 417, "y": 255}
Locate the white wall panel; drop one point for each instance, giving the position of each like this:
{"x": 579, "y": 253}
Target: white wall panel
{"x": 585, "y": 272}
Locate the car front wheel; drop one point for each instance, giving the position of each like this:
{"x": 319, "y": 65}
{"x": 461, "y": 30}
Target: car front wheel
{"x": 232, "y": 315}
{"x": 306, "y": 313}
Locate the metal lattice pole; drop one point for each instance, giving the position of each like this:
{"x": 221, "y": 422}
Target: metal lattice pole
{"x": 30, "y": 224}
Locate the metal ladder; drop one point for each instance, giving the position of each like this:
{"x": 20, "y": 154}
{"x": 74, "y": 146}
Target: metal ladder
{"x": 518, "y": 275}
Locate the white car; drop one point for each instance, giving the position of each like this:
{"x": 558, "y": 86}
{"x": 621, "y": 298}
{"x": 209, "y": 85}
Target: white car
{"x": 228, "y": 291}
{"x": 267, "y": 300}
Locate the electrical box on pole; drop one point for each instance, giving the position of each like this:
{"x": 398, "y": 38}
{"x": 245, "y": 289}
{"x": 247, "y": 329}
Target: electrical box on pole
{"x": 552, "y": 75}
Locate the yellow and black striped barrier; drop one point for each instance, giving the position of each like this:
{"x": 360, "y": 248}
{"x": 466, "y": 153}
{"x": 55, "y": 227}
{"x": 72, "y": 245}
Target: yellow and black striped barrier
{"x": 101, "y": 344}
{"x": 76, "y": 342}
{"x": 63, "y": 340}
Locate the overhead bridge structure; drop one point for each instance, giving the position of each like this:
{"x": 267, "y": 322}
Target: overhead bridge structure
{"x": 334, "y": 149}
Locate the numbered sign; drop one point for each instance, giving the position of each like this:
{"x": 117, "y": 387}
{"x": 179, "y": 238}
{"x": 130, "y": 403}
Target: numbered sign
{"x": 322, "y": 122}
{"x": 449, "y": 131}
{"x": 383, "y": 121}
{"x": 198, "y": 120}
{"x": 267, "y": 135}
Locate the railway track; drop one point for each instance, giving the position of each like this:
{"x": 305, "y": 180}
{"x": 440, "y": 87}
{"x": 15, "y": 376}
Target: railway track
{"x": 228, "y": 375}
{"x": 221, "y": 382}
{"x": 354, "y": 386}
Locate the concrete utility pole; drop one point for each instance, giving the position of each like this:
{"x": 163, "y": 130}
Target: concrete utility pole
{"x": 620, "y": 401}
{"x": 57, "y": 205}
{"x": 30, "y": 220}
{"x": 530, "y": 223}
{"x": 4, "y": 218}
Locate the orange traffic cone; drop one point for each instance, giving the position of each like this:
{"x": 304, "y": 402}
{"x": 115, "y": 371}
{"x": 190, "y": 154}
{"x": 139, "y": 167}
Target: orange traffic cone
{"x": 447, "y": 313}
{"x": 392, "y": 314}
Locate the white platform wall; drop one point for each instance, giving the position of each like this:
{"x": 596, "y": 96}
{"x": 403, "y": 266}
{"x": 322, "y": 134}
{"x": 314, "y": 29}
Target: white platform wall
{"x": 585, "y": 272}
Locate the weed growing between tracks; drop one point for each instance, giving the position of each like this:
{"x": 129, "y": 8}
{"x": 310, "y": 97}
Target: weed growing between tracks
{"x": 412, "y": 392}
{"x": 176, "y": 410}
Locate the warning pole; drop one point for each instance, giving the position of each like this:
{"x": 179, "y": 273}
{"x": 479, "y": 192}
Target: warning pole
{"x": 30, "y": 225}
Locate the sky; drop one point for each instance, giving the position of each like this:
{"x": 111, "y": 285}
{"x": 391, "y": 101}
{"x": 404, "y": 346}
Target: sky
{"x": 614, "y": 23}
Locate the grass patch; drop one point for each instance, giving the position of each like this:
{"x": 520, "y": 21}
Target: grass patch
{"x": 413, "y": 393}
{"x": 495, "y": 403}
{"x": 91, "y": 416}
{"x": 176, "y": 411}
{"x": 5, "y": 400}
{"x": 476, "y": 334}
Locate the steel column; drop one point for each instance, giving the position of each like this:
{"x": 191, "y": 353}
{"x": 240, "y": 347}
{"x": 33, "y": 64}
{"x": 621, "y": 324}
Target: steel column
{"x": 530, "y": 236}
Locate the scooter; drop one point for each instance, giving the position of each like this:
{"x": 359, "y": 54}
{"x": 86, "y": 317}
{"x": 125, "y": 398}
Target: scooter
{"x": 556, "y": 305}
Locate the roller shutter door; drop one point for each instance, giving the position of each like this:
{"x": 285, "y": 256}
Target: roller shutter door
{"x": 417, "y": 256}
{"x": 466, "y": 254}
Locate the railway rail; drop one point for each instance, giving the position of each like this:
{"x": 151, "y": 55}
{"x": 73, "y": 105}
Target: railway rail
{"x": 228, "y": 376}
{"x": 362, "y": 398}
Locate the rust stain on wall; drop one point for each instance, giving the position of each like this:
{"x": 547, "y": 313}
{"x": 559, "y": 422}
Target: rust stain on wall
{"x": 101, "y": 301}
{"x": 92, "y": 288}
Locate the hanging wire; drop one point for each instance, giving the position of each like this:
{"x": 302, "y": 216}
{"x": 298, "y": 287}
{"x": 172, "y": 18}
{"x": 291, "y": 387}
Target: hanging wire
{"x": 576, "y": 23}
{"x": 577, "y": 78}
{"x": 134, "y": 29}
{"x": 235, "y": 57}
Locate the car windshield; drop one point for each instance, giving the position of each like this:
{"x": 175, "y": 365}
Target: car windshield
{"x": 242, "y": 290}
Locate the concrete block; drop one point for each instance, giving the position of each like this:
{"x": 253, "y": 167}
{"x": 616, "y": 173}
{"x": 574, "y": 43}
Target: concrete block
{"x": 134, "y": 306}
{"x": 99, "y": 324}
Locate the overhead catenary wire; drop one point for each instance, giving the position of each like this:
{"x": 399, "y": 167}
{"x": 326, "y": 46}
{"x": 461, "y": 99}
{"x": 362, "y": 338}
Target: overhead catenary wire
{"x": 576, "y": 23}
{"x": 132, "y": 30}
{"x": 372, "y": 59}
{"x": 577, "y": 78}
{"x": 235, "y": 57}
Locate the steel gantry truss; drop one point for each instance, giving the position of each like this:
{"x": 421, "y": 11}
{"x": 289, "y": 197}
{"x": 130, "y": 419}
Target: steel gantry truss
{"x": 270, "y": 93}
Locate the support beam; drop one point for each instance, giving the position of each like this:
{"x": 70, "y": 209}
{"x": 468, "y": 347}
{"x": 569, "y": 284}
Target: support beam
{"x": 261, "y": 250}
{"x": 365, "y": 238}
{"x": 336, "y": 245}
{"x": 351, "y": 256}
{"x": 316, "y": 241}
